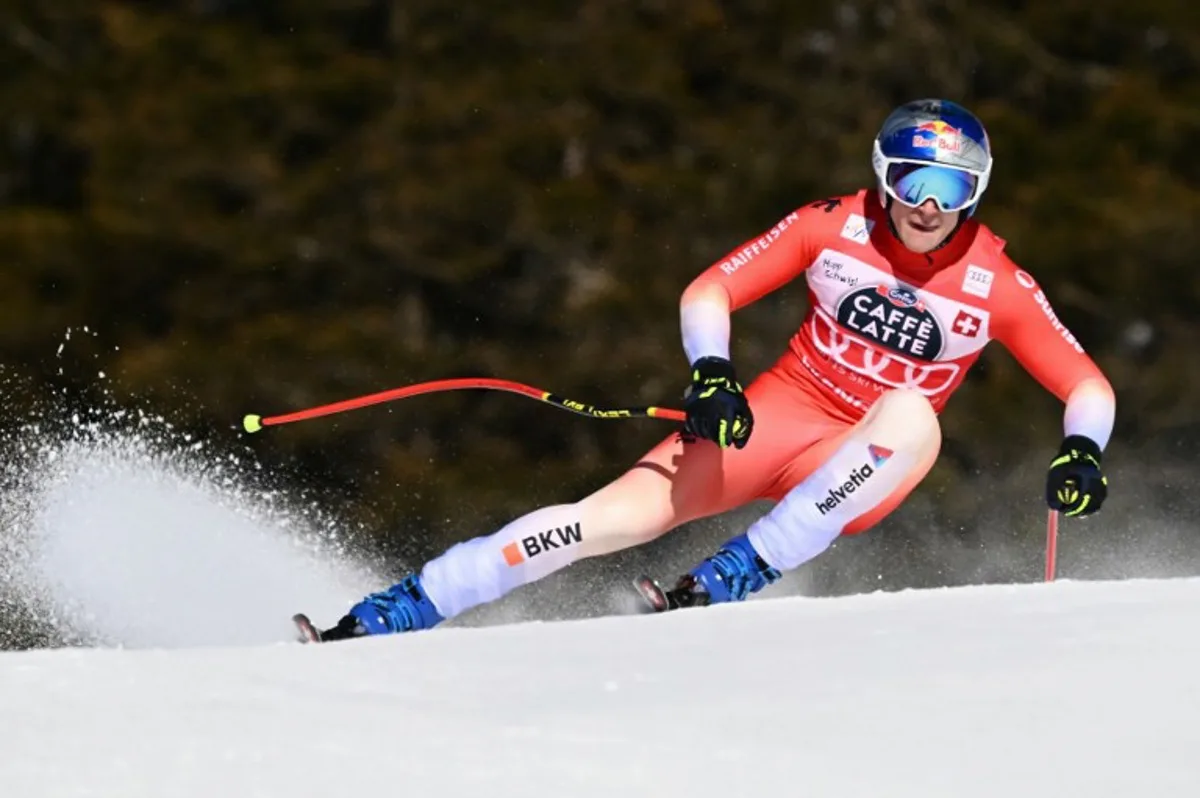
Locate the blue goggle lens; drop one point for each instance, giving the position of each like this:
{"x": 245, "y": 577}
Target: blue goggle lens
{"x": 951, "y": 189}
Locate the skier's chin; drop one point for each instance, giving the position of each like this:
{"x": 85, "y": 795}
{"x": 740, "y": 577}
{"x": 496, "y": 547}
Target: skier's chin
{"x": 921, "y": 235}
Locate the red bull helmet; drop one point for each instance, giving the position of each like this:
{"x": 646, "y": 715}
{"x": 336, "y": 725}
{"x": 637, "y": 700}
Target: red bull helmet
{"x": 932, "y": 149}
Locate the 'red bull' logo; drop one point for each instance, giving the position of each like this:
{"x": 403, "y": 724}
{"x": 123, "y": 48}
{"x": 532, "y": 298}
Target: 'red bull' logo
{"x": 937, "y": 127}
{"x": 938, "y": 135}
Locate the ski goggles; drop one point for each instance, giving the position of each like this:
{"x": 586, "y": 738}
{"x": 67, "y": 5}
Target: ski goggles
{"x": 914, "y": 183}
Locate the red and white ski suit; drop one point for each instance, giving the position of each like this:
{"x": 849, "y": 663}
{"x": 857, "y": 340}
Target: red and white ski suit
{"x": 880, "y": 317}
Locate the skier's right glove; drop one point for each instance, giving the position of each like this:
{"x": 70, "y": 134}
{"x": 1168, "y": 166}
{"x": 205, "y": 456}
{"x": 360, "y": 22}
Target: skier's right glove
{"x": 716, "y": 407}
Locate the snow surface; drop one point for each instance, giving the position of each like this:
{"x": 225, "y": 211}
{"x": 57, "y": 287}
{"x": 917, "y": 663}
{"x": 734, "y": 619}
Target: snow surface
{"x": 1067, "y": 689}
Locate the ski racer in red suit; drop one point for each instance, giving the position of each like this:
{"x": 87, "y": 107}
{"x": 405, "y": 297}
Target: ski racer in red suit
{"x": 905, "y": 290}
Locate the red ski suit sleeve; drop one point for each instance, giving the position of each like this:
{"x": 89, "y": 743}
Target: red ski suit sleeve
{"x": 762, "y": 264}
{"x": 1026, "y": 324}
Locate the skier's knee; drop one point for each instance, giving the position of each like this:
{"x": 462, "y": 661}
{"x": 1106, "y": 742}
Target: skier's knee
{"x": 907, "y": 420}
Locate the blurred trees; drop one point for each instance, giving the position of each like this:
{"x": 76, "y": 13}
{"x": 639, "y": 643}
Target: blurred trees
{"x": 260, "y": 205}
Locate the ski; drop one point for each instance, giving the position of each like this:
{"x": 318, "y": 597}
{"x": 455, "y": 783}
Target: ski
{"x": 652, "y": 594}
{"x": 657, "y": 599}
{"x": 307, "y": 632}
{"x": 345, "y": 629}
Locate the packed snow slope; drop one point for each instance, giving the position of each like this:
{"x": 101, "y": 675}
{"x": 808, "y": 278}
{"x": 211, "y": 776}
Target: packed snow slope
{"x": 1067, "y": 689}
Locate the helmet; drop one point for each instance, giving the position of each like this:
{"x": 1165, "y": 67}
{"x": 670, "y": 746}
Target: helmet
{"x": 932, "y": 149}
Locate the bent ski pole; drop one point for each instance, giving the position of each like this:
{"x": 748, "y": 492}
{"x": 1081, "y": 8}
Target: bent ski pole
{"x": 254, "y": 423}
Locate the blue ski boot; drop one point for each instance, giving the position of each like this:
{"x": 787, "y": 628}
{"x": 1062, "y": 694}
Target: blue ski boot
{"x": 732, "y": 574}
{"x": 403, "y": 607}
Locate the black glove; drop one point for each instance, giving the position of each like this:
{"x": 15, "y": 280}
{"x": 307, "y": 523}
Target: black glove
{"x": 716, "y": 407}
{"x": 1075, "y": 484}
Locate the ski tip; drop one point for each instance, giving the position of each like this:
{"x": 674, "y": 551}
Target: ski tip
{"x": 306, "y": 632}
{"x": 652, "y": 594}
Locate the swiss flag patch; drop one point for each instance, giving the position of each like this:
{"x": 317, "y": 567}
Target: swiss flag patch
{"x": 966, "y": 324}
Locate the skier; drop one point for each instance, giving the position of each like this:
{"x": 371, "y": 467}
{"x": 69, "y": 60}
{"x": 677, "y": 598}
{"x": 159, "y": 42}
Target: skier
{"x": 905, "y": 289}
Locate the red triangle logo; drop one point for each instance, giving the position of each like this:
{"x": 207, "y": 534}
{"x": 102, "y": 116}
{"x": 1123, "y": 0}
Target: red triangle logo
{"x": 879, "y": 454}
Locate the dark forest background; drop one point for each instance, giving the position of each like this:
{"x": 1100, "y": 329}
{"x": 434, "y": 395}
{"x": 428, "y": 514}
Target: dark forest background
{"x": 262, "y": 205}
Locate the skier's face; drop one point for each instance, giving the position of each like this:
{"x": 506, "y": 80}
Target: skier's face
{"x": 924, "y": 227}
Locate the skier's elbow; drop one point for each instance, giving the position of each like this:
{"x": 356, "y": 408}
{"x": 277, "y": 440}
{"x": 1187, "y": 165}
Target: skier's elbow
{"x": 706, "y": 291}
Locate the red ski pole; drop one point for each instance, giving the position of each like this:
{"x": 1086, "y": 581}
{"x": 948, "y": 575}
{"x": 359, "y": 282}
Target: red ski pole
{"x": 254, "y": 423}
{"x": 1051, "y": 545}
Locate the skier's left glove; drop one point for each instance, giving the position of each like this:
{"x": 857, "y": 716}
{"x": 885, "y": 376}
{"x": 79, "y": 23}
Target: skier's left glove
{"x": 1075, "y": 485}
